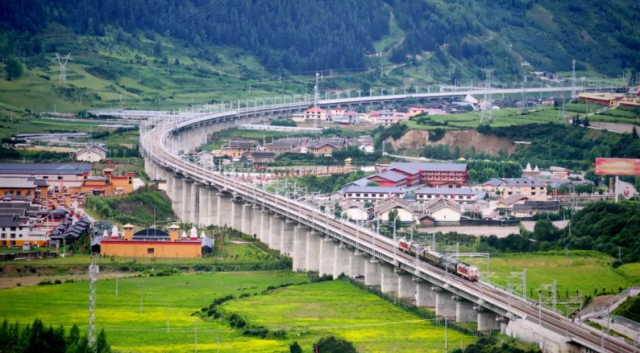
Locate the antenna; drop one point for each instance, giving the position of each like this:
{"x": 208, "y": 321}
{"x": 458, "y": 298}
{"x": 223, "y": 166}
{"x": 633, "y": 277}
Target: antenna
{"x": 487, "y": 98}
{"x": 62, "y": 61}
{"x": 93, "y": 278}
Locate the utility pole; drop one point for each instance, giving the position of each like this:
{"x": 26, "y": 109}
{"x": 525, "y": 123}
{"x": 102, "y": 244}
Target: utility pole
{"x": 141, "y": 298}
{"x": 168, "y": 316}
{"x": 93, "y": 278}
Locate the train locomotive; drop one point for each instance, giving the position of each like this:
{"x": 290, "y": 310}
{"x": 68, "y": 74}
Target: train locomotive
{"x": 435, "y": 258}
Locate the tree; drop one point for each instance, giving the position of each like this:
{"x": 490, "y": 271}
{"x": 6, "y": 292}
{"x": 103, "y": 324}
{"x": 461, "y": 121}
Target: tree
{"x": 13, "y": 67}
{"x": 295, "y": 348}
{"x": 334, "y": 345}
{"x": 372, "y": 183}
{"x": 102, "y": 344}
{"x": 634, "y": 133}
{"x": 544, "y": 230}
{"x": 585, "y": 122}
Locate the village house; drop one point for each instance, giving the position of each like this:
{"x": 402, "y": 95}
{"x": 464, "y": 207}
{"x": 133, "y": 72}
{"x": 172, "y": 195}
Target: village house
{"x": 324, "y": 147}
{"x": 458, "y": 195}
{"x": 315, "y": 113}
{"x": 402, "y": 207}
{"x": 91, "y": 154}
{"x": 442, "y": 210}
{"x": 236, "y": 148}
{"x": 372, "y": 193}
{"x": 531, "y": 189}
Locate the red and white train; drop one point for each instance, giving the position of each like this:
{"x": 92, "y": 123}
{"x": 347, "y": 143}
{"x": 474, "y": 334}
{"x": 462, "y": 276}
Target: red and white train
{"x": 445, "y": 262}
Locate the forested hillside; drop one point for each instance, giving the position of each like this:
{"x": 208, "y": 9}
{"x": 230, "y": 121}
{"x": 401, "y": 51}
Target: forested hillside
{"x": 301, "y": 36}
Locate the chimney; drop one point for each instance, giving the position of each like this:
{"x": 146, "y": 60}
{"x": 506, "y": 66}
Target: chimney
{"x": 128, "y": 232}
{"x": 173, "y": 232}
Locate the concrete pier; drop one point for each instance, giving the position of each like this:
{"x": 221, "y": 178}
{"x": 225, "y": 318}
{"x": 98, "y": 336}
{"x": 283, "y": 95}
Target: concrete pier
{"x": 465, "y": 311}
{"x": 205, "y": 204}
{"x": 313, "y": 251}
{"x": 341, "y": 261}
{"x": 224, "y": 209}
{"x": 256, "y": 221}
{"x": 425, "y": 296}
{"x": 299, "y": 248}
{"x": 327, "y": 254}
{"x": 487, "y": 320}
{"x": 356, "y": 263}
{"x": 389, "y": 280}
{"x": 372, "y": 275}
{"x": 247, "y": 219}
{"x": 275, "y": 233}
{"x": 286, "y": 247}
{"x": 236, "y": 213}
{"x": 445, "y": 305}
{"x": 406, "y": 286}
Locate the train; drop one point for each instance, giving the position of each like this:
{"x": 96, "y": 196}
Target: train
{"x": 445, "y": 262}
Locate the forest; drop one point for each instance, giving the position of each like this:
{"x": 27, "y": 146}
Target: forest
{"x": 462, "y": 36}
{"x": 297, "y": 36}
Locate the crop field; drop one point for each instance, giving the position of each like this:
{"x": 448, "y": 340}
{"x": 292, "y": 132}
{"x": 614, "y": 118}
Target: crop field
{"x": 502, "y": 117}
{"x": 311, "y": 311}
{"x": 544, "y": 268}
{"x": 154, "y": 314}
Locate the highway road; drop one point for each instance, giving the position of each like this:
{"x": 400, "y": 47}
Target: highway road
{"x": 154, "y": 144}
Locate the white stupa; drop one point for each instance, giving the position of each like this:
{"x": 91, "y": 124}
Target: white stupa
{"x": 194, "y": 232}
{"x": 105, "y": 233}
{"x": 184, "y": 234}
{"x": 114, "y": 231}
{"x": 202, "y": 235}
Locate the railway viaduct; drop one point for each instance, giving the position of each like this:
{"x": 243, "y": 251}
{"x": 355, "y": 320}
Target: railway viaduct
{"x": 319, "y": 242}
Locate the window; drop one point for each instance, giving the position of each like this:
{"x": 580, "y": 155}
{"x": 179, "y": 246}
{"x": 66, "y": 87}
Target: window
{"x": 150, "y": 251}
{"x": 47, "y": 177}
{"x": 13, "y": 235}
{"x": 3, "y": 235}
{"x": 59, "y": 177}
{"x": 533, "y": 194}
{"x": 13, "y": 228}
{"x": 12, "y": 243}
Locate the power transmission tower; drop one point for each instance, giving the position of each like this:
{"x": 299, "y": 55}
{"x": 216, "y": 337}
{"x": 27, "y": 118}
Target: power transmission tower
{"x": 573, "y": 79}
{"x": 62, "y": 61}
{"x": 487, "y": 110}
{"x": 316, "y": 99}
{"x": 93, "y": 278}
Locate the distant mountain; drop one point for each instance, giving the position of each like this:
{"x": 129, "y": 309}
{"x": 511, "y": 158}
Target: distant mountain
{"x": 307, "y": 35}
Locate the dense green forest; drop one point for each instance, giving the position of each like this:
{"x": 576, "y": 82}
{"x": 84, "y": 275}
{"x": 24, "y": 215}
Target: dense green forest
{"x": 462, "y": 36}
{"x": 299, "y": 36}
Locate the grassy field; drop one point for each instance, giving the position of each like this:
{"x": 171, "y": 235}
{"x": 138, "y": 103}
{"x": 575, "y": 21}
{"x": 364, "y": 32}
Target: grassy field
{"x": 544, "y": 268}
{"x": 309, "y": 312}
{"x": 502, "y": 117}
{"x": 312, "y": 311}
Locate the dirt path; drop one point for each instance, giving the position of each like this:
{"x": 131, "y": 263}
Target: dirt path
{"x": 34, "y": 280}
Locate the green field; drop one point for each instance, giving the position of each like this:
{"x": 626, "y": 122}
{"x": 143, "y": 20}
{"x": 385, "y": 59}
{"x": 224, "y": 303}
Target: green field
{"x": 570, "y": 272}
{"x": 502, "y": 117}
{"x": 308, "y": 312}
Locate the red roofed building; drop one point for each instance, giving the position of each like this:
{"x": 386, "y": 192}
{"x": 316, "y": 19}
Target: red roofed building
{"x": 315, "y": 113}
{"x": 389, "y": 178}
{"x": 451, "y": 175}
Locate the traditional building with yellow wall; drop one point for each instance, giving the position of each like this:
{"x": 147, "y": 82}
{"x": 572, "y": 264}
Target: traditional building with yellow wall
{"x": 155, "y": 243}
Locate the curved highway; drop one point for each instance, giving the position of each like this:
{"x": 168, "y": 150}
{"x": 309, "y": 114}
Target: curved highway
{"x": 154, "y": 146}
